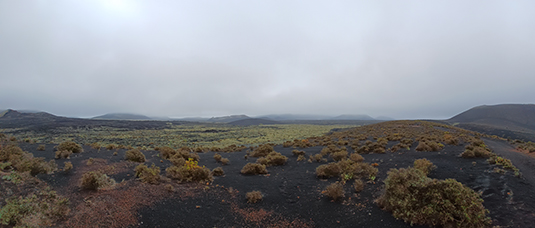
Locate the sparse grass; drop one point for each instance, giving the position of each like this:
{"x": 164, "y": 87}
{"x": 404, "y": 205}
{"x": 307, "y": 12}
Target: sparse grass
{"x": 70, "y": 146}
{"x": 334, "y": 191}
{"x": 134, "y": 155}
{"x": 253, "y": 196}
{"x": 254, "y": 169}
{"x": 95, "y": 180}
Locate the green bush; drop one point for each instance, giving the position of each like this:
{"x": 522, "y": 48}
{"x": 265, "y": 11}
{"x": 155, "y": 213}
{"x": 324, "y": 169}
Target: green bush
{"x": 254, "y": 169}
{"x": 253, "y": 196}
{"x": 134, "y": 155}
{"x": 148, "y": 175}
{"x": 95, "y": 180}
{"x": 412, "y": 196}
{"x": 70, "y": 146}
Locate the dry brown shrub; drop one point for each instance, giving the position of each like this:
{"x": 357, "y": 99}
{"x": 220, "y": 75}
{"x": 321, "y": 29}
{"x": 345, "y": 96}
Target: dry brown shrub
{"x": 148, "y": 175}
{"x": 253, "y": 196}
{"x": 301, "y": 158}
{"x": 218, "y": 171}
{"x": 67, "y": 167}
{"x": 298, "y": 152}
{"x": 178, "y": 160}
{"x": 166, "y": 152}
{"x": 134, "y": 155}
{"x": 224, "y": 161}
{"x": 356, "y": 157}
{"x": 358, "y": 185}
{"x": 95, "y": 180}
{"x": 41, "y": 147}
{"x": 328, "y": 170}
{"x": 217, "y": 157}
{"x": 70, "y": 146}
{"x": 337, "y": 156}
{"x": 424, "y": 165}
{"x": 254, "y": 169}
{"x": 334, "y": 191}
{"x": 63, "y": 154}
{"x": 262, "y": 150}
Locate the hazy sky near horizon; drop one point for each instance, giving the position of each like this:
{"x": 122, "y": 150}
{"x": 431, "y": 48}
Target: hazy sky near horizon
{"x": 402, "y": 59}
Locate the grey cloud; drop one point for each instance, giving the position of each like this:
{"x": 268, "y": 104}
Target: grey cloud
{"x": 408, "y": 59}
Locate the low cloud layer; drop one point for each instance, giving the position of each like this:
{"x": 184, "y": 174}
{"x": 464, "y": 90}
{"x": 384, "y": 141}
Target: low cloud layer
{"x": 408, "y": 59}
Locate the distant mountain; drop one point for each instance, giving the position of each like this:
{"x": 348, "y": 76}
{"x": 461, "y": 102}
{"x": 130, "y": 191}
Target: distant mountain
{"x": 384, "y": 118}
{"x": 13, "y": 114}
{"x": 227, "y": 119}
{"x": 122, "y": 116}
{"x": 353, "y": 117}
{"x": 283, "y": 117}
{"x": 252, "y": 121}
{"x": 506, "y": 120}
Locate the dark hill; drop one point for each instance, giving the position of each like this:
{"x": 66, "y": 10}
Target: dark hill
{"x": 506, "y": 120}
{"x": 252, "y": 121}
{"x": 228, "y": 119}
{"x": 122, "y": 116}
{"x": 353, "y": 117}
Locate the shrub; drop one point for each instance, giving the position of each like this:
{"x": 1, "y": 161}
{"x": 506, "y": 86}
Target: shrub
{"x": 224, "y": 161}
{"x": 424, "y": 165}
{"x": 217, "y": 157}
{"x": 356, "y": 157}
{"x": 337, "y": 156}
{"x": 298, "y": 152}
{"x": 328, "y": 170}
{"x": 253, "y": 196}
{"x": 70, "y": 146}
{"x": 476, "y": 150}
{"x": 412, "y": 196}
{"x": 111, "y": 147}
{"x": 301, "y": 158}
{"x": 34, "y": 210}
{"x": 95, "y": 145}
{"x": 148, "y": 175}
{"x": 67, "y": 167}
{"x": 169, "y": 188}
{"x": 134, "y": 155}
{"x": 254, "y": 169}
{"x": 95, "y": 180}
{"x": 41, "y": 147}
{"x": 166, "y": 152}
{"x": 358, "y": 185}
{"x": 346, "y": 169}
{"x": 63, "y": 154}
{"x": 262, "y": 150}
{"x": 218, "y": 171}
{"x": 317, "y": 158}
{"x": 334, "y": 191}
{"x": 189, "y": 172}
{"x": 90, "y": 161}
{"x": 273, "y": 158}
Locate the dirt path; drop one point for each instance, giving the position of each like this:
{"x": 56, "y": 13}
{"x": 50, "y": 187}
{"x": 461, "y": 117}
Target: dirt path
{"x": 522, "y": 161}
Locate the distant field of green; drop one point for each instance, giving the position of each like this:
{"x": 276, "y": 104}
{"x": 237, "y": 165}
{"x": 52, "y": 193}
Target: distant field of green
{"x": 176, "y": 136}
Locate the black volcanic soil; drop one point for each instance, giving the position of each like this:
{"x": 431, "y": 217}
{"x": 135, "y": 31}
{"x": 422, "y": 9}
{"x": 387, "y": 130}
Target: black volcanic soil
{"x": 292, "y": 193}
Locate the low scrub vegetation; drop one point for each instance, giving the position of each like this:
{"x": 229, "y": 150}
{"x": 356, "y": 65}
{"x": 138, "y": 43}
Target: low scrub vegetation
{"x": 39, "y": 210}
{"x": 23, "y": 161}
{"x": 429, "y": 146}
{"x": 424, "y": 165}
{"x": 476, "y": 149}
{"x": 67, "y": 167}
{"x": 412, "y": 196}
{"x": 273, "y": 158}
{"x": 63, "y": 154}
{"x": 218, "y": 171}
{"x": 253, "y": 196}
{"x": 189, "y": 172}
{"x": 134, "y": 155}
{"x": 148, "y": 175}
{"x": 334, "y": 191}
{"x": 70, "y": 146}
{"x": 254, "y": 169}
{"x": 262, "y": 150}
{"x": 346, "y": 170}
{"x": 95, "y": 180}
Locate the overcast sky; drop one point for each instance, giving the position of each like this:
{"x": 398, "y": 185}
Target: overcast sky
{"x": 402, "y": 59}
